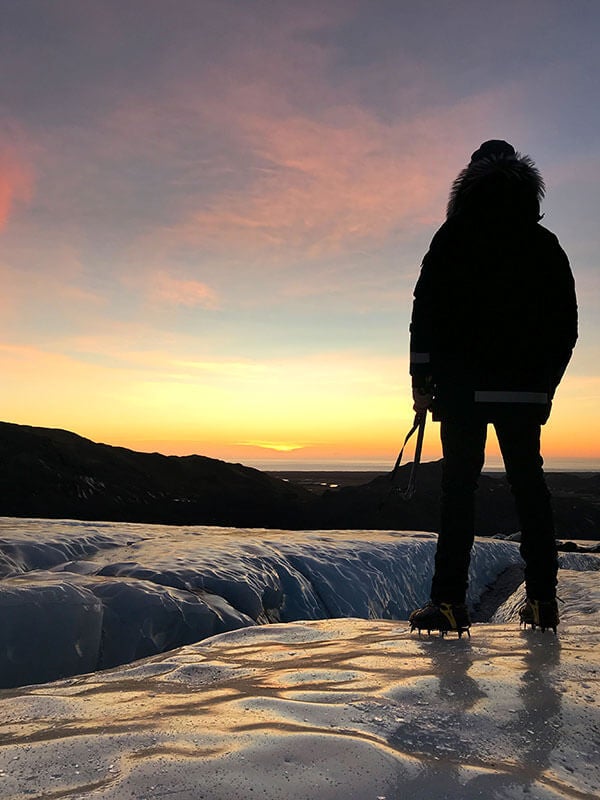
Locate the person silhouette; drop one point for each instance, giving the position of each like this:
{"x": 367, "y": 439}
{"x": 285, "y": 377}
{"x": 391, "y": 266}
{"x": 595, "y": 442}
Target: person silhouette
{"x": 493, "y": 327}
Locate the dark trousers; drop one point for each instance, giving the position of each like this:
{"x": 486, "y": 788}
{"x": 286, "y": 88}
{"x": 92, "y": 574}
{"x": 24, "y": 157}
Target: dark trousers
{"x": 463, "y": 444}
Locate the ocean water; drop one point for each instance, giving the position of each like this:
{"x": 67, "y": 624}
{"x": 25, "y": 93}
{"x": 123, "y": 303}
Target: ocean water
{"x": 491, "y": 465}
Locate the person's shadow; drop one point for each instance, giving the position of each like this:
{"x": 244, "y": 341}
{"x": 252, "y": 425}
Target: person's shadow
{"x": 450, "y": 734}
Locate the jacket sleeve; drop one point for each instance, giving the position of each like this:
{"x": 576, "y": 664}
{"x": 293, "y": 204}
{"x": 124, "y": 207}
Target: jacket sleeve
{"x": 560, "y": 316}
{"x": 422, "y": 325}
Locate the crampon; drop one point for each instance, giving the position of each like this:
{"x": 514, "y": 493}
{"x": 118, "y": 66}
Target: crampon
{"x": 442, "y": 617}
{"x": 539, "y": 614}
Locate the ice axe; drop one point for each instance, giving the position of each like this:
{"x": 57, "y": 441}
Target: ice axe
{"x": 419, "y": 428}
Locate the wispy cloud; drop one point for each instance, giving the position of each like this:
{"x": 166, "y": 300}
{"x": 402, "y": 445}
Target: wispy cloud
{"x": 238, "y": 369}
{"x": 327, "y": 187}
{"x": 322, "y": 185}
{"x": 165, "y": 289}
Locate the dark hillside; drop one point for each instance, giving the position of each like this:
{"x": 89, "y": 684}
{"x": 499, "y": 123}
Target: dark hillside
{"x": 57, "y": 474}
{"x": 576, "y": 501}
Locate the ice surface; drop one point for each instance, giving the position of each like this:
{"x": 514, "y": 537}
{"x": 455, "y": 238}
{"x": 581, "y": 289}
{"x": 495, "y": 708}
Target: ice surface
{"x": 358, "y": 709}
{"x": 328, "y": 709}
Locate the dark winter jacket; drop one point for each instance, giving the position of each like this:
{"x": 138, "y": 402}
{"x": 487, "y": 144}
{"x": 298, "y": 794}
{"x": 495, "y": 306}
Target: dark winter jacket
{"x": 494, "y": 319}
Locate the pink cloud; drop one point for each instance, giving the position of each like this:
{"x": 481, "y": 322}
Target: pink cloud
{"x": 325, "y": 184}
{"x": 16, "y": 182}
{"x": 264, "y": 158}
{"x": 263, "y": 186}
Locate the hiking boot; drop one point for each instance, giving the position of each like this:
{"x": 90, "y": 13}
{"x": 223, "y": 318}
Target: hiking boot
{"x": 442, "y": 617}
{"x": 537, "y": 613}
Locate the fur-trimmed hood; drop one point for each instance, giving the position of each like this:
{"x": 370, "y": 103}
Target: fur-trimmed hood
{"x": 499, "y": 188}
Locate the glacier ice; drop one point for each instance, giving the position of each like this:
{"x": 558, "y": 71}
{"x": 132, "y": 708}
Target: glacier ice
{"x": 84, "y": 596}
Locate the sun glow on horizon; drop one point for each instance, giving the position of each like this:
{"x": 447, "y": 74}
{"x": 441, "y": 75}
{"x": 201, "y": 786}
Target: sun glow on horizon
{"x": 281, "y": 447}
{"x": 342, "y": 407}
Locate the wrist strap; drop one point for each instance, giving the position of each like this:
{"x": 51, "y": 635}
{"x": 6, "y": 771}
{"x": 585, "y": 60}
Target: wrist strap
{"x": 418, "y": 425}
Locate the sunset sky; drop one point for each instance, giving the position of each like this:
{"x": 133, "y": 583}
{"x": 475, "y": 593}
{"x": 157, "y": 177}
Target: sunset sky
{"x": 213, "y": 212}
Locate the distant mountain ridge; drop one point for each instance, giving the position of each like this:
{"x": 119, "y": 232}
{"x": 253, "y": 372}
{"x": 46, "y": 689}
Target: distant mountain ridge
{"x": 53, "y": 473}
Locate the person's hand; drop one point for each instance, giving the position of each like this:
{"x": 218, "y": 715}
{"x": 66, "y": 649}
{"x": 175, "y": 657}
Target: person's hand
{"x": 422, "y": 399}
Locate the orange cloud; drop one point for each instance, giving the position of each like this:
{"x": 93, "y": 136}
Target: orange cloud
{"x": 56, "y": 278}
